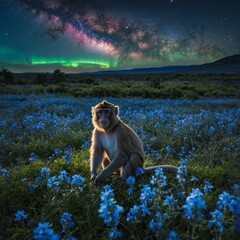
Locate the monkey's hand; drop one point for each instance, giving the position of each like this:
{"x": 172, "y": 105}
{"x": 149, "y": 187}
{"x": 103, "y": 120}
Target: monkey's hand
{"x": 100, "y": 177}
{"x": 93, "y": 177}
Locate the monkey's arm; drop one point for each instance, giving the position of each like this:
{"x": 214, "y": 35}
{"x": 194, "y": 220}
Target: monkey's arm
{"x": 96, "y": 155}
{"x": 117, "y": 163}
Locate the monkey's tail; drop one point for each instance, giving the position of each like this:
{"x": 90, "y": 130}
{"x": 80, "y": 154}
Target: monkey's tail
{"x": 166, "y": 168}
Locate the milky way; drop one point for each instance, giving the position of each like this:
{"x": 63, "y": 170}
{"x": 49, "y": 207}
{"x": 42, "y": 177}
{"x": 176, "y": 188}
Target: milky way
{"x": 90, "y": 35}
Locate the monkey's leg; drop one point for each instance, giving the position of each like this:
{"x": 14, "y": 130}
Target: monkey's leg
{"x": 105, "y": 162}
{"x": 114, "y": 166}
{"x": 129, "y": 169}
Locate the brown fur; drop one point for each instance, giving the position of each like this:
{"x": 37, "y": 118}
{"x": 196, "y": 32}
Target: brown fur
{"x": 116, "y": 147}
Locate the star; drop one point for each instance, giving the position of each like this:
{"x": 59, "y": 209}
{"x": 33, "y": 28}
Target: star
{"x": 115, "y": 35}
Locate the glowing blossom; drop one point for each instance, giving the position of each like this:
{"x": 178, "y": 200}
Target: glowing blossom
{"x": 44, "y": 231}
{"x": 4, "y": 172}
{"x": 20, "y": 215}
{"x": 66, "y": 221}
{"x": 216, "y": 220}
{"x": 194, "y": 204}
{"x": 110, "y": 212}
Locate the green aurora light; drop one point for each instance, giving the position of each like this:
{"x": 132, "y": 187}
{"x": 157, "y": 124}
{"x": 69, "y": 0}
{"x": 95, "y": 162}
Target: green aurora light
{"x": 17, "y": 61}
{"x": 74, "y": 63}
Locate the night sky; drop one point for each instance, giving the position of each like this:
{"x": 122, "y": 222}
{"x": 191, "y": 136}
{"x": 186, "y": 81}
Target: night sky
{"x": 90, "y": 35}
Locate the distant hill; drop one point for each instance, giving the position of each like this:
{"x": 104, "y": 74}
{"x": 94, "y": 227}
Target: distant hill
{"x": 230, "y": 64}
{"x": 231, "y": 61}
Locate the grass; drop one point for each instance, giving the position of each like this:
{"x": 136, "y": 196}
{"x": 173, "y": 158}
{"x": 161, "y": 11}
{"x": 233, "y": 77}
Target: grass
{"x": 165, "y": 86}
{"x": 54, "y": 132}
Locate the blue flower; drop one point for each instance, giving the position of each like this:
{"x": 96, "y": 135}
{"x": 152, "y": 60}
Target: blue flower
{"x": 58, "y": 151}
{"x": 63, "y": 176}
{"x": 44, "y": 172}
{"x": 169, "y": 149}
{"x": 170, "y": 201}
{"x": 173, "y": 236}
{"x": 130, "y": 180}
{"x": 40, "y": 125}
{"x": 207, "y": 188}
{"x": 130, "y": 190}
{"x": 66, "y": 221}
{"x": 194, "y": 204}
{"x": 20, "y": 215}
{"x": 24, "y": 181}
{"x": 114, "y": 233}
{"x": 236, "y": 189}
{"x": 68, "y": 156}
{"x": 181, "y": 195}
{"x": 140, "y": 171}
{"x": 182, "y": 172}
{"x": 157, "y": 223}
{"x": 39, "y": 180}
{"x": 212, "y": 130}
{"x": 44, "y": 232}
{"x": 116, "y": 213}
{"x": 224, "y": 200}
{"x": 194, "y": 179}
{"x": 147, "y": 194}
{"x": 217, "y": 216}
{"x": 145, "y": 209}
{"x": 234, "y": 206}
{"x": 33, "y": 157}
{"x": 4, "y": 172}
{"x": 78, "y": 181}
{"x": 183, "y": 150}
{"x": 190, "y": 153}
{"x": 53, "y": 182}
{"x": 131, "y": 216}
{"x": 3, "y": 136}
{"x": 33, "y": 187}
{"x": 159, "y": 178}
{"x": 110, "y": 211}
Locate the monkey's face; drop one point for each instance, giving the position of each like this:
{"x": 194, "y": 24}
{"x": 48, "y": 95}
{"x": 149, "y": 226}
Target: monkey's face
{"x": 104, "y": 116}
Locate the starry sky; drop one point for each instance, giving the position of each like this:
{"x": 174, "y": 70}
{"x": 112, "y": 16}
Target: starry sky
{"x": 91, "y": 35}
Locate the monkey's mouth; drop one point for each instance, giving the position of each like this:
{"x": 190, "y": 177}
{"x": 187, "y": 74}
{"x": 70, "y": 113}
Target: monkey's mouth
{"x": 104, "y": 123}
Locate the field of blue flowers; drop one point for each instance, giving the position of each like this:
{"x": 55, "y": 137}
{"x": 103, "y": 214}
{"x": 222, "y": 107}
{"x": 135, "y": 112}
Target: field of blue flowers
{"x": 45, "y": 187}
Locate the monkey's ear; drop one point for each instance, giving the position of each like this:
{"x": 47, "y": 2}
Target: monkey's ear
{"x": 93, "y": 110}
{"x": 116, "y": 110}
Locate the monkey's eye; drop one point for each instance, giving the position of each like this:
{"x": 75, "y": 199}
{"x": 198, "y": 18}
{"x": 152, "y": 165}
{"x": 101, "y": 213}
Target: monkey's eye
{"x": 107, "y": 111}
{"x": 99, "y": 111}
{"x": 103, "y": 111}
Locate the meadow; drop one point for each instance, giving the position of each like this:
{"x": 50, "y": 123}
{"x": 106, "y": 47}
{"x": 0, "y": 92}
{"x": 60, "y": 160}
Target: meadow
{"x": 164, "y": 86}
{"x": 45, "y": 187}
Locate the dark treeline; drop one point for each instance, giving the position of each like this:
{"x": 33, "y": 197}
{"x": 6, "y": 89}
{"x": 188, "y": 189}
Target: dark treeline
{"x": 169, "y": 85}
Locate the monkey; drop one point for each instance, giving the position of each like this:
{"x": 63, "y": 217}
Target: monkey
{"x": 116, "y": 146}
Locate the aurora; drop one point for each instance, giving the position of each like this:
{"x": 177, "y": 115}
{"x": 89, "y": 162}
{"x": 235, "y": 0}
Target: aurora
{"x": 79, "y": 36}
{"x": 74, "y": 63}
